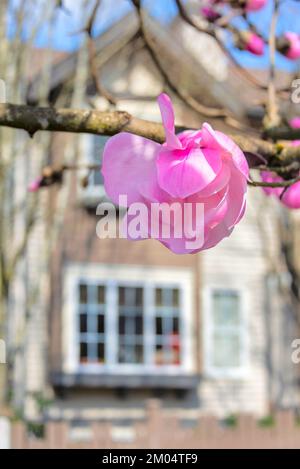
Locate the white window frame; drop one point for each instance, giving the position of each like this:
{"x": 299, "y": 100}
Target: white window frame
{"x": 91, "y": 194}
{"x": 112, "y": 276}
{"x": 210, "y": 370}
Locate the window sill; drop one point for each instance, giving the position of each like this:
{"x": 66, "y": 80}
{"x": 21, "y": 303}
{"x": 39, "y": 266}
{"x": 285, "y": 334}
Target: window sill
{"x": 151, "y": 381}
{"x": 227, "y": 375}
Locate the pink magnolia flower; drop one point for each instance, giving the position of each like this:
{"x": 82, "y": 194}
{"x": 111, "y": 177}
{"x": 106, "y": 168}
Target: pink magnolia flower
{"x": 254, "y": 44}
{"x": 295, "y": 123}
{"x": 290, "y": 197}
{"x": 293, "y": 51}
{"x": 35, "y": 185}
{"x": 255, "y": 5}
{"x": 203, "y": 166}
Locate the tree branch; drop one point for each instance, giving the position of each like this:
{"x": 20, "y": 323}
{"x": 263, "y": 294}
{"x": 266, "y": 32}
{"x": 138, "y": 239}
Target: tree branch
{"x": 101, "y": 90}
{"x": 272, "y": 117}
{"x": 189, "y": 100}
{"x": 33, "y": 119}
{"x": 211, "y": 31}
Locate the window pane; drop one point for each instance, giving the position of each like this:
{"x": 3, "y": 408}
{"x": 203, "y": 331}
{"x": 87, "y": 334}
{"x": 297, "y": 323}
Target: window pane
{"x": 176, "y": 297}
{"x": 91, "y": 322}
{"x": 176, "y": 325}
{"x": 101, "y": 352}
{"x": 83, "y": 293}
{"x": 159, "y": 354}
{"x": 100, "y": 324}
{"x": 100, "y": 294}
{"x": 167, "y": 328}
{"x": 121, "y": 296}
{"x": 158, "y": 297}
{"x": 83, "y": 352}
{"x": 139, "y": 354}
{"x": 121, "y": 325}
{"x": 226, "y": 309}
{"x": 139, "y": 297}
{"x": 226, "y": 350}
{"x": 127, "y": 354}
{"x": 131, "y": 325}
{"x": 167, "y": 297}
{"x": 158, "y": 326}
{"x": 83, "y": 323}
{"x": 139, "y": 325}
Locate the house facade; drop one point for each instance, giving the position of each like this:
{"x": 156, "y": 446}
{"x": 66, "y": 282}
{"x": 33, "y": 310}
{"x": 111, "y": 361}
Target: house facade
{"x": 127, "y": 320}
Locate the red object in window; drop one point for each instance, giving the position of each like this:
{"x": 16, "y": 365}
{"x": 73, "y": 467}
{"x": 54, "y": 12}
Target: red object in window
{"x": 175, "y": 347}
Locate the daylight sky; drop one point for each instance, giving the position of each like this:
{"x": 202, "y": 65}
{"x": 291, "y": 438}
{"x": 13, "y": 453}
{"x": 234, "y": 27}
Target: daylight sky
{"x": 64, "y": 28}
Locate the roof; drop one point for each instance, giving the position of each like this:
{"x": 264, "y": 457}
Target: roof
{"x": 192, "y": 63}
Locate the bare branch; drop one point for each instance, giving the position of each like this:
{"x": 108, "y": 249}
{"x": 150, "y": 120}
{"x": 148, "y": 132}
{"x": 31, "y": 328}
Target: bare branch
{"x": 101, "y": 90}
{"x": 272, "y": 117}
{"x": 195, "y": 105}
{"x": 285, "y": 184}
{"x": 33, "y": 119}
{"x": 212, "y": 32}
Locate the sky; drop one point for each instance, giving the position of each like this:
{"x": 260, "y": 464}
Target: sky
{"x": 65, "y": 25}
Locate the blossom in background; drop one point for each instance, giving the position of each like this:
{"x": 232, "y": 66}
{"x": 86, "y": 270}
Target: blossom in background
{"x": 35, "y": 185}
{"x": 291, "y": 195}
{"x": 255, "y": 5}
{"x": 194, "y": 167}
{"x": 253, "y": 43}
{"x": 289, "y": 45}
{"x": 210, "y": 14}
{"x": 249, "y": 5}
{"x": 295, "y": 123}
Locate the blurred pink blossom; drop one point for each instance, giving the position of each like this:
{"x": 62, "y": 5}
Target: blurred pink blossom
{"x": 295, "y": 123}
{"x": 210, "y": 14}
{"x": 293, "y": 52}
{"x": 255, "y": 5}
{"x": 291, "y": 196}
{"x": 35, "y": 185}
{"x": 254, "y": 44}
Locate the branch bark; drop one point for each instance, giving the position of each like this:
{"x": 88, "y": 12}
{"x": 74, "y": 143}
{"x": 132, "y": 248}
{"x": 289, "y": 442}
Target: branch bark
{"x": 33, "y": 119}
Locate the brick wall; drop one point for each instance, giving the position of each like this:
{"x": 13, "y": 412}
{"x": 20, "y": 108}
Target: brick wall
{"x": 160, "y": 430}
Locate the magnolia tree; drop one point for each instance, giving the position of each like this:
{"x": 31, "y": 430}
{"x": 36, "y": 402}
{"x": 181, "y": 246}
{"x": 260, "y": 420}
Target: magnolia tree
{"x": 192, "y": 166}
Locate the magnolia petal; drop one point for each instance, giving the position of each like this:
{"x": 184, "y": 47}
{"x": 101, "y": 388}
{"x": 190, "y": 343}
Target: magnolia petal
{"x": 190, "y": 138}
{"x": 215, "y": 235}
{"x": 218, "y": 140}
{"x": 168, "y": 119}
{"x": 214, "y": 209}
{"x": 129, "y": 162}
{"x": 220, "y": 181}
{"x": 182, "y": 245}
{"x": 135, "y": 224}
{"x": 185, "y": 172}
{"x": 236, "y": 198}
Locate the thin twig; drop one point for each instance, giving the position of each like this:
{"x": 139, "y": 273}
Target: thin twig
{"x": 213, "y": 33}
{"x": 287, "y": 184}
{"x": 101, "y": 90}
{"x": 272, "y": 118}
{"x": 33, "y": 119}
{"x": 189, "y": 100}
